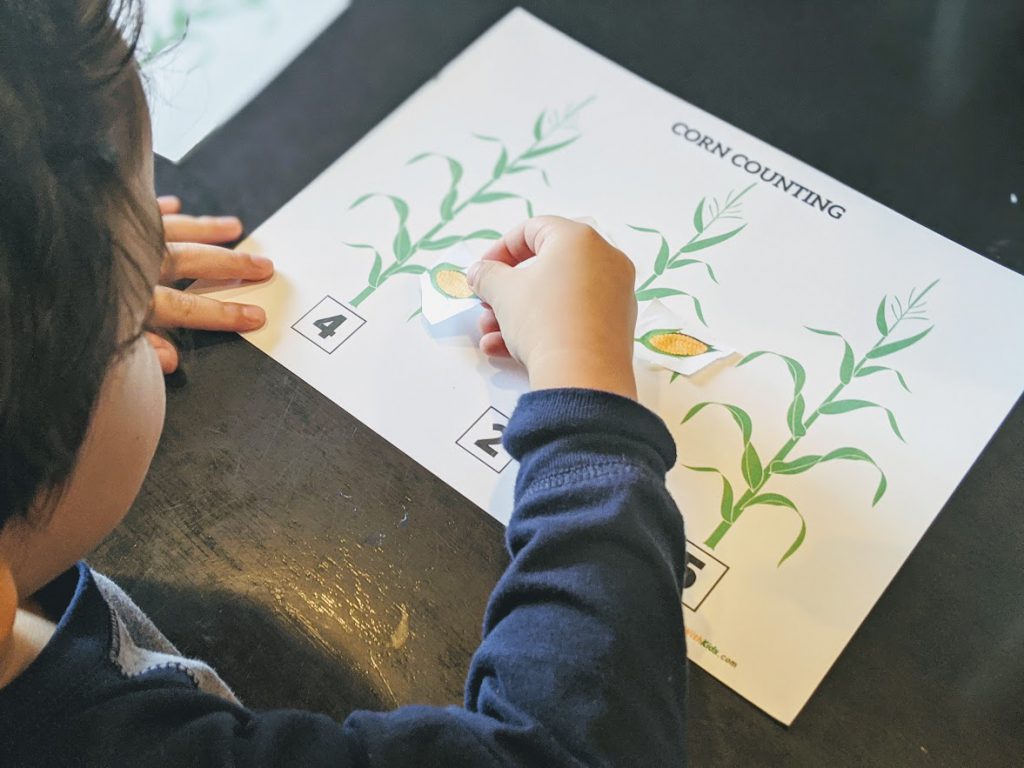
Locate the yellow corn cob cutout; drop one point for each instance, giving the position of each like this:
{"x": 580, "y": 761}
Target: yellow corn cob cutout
{"x": 674, "y": 343}
{"x": 450, "y": 280}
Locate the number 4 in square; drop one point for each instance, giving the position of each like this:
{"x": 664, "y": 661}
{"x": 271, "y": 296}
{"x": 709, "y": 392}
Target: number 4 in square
{"x": 329, "y": 324}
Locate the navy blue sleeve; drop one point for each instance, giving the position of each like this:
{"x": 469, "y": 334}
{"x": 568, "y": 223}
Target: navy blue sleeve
{"x": 583, "y": 655}
{"x": 582, "y": 661}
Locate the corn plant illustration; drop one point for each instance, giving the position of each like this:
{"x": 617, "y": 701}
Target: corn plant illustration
{"x": 707, "y": 214}
{"x": 891, "y": 316}
{"x": 553, "y": 131}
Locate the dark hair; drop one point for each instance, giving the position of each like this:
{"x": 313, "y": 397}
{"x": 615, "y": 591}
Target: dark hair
{"x": 72, "y": 211}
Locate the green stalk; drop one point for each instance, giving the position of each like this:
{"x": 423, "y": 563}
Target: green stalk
{"x": 724, "y": 526}
{"x": 646, "y": 283}
{"x": 437, "y": 228}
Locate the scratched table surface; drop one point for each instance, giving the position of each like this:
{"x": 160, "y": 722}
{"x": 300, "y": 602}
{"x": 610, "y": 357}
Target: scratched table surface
{"x": 317, "y": 566}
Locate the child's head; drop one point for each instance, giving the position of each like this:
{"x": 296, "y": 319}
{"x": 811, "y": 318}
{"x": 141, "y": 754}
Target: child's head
{"x": 81, "y": 396}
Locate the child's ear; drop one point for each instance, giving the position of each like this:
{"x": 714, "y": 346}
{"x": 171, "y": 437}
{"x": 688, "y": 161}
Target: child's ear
{"x": 8, "y": 607}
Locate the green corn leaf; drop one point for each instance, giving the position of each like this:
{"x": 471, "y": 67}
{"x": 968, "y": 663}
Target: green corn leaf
{"x": 823, "y": 332}
{"x": 710, "y": 241}
{"x": 845, "y": 406}
{"x": 856, "y": 454}
{"x": 883, "y": 484}
{"x": 544, "y": 175}
{"x": 742, "y": 420}
{"x": 846, "y": 367}
{"x": 740, "y": 416}
{"x": 440, "y": 244}
{"x": 796, "y": 371}
{"x": 896, "y": 346}
{"x": 537, "y": 152}
{"x": 448, "y": 204}
{"x": 698, "y": 310}
{"x": 529, "y": 208}
{"x": 727, "y": 512}
{"x": 804, "y": 463}
{"x": 483, "y": 137}
{"x": 797, "y": 541}
{"x": 483, "y": 234}
{"x": 491, "y": 197}
{"x": 400, "y": 206}
{"x": 662, "y": 259}
{"x": 455, "y": 169}
{"x": 519, "y": 169}
{"x": 378, "y": 264}
{"x": 772, "y": 500}
{"x": 751, "y": 466}
{"x": 751, "y": 357}
{"x": 850, "y": 454}
{"x": 402, "y": 245}
{"x": 880, "y": 322}
{"x": 795, "y": 416}
{"x": 417, "y": 312}
{"x": 675, "y": 375}
{"x": 411, "y": 269}
{"x": 499, "y": 167}
{"x": 892, "y": 423}
{"x": 698, "y": 216}
{"x": 870, "y": 369}
{"x": 795, "y": 467}
{"x": 362, "y": 199}
{"x": 647, "y": 294}
{"x": 538, "y": 126}
{"x": 645, "y": 229}
{"x": 360, "y": 245}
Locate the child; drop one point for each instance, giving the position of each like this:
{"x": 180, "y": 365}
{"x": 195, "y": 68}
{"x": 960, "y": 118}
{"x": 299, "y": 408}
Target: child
{"x": 582, "y": 660}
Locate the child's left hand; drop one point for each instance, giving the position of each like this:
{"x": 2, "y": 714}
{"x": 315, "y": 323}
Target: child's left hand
{"x": 191, "y": 254}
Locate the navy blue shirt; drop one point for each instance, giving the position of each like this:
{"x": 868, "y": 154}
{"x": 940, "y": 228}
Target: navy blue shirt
{"x": 582, "y": 661}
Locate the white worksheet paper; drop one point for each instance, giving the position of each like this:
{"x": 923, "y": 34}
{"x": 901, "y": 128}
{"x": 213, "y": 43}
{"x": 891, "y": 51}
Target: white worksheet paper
{"x": 809, "y": 473}
{"x": 206, "y": 59}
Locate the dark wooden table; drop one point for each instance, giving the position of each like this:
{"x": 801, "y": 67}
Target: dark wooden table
{"x": 317, "y": 566}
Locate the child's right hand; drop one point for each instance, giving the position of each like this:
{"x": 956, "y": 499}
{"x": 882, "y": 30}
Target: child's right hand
{"x": 570, "y": 316}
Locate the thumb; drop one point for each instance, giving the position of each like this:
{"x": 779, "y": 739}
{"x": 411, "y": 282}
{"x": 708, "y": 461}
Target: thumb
{"x": 489, "y": 280}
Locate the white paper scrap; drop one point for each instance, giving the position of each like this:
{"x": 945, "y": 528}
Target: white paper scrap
{"x": 444, "y": 290}
{"x": 206, "y": 59}
{"x": 664, "y": 338}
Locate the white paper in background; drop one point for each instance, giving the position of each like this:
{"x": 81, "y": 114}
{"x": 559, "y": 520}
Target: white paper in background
{"x": 655, "y": 320}
{"x": 797, "y": 440}
{"x": 205, "y": 59}
{"x": 442, "y": 290}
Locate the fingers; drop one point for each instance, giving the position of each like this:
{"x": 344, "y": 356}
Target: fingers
{"x": 193, "y": 260}
{"x": 201, "y": 229}
{"x": 168, "y": 204}
{"x": 493, "y": 345}
{"x": 488, "y": 321}
{"x": 165, "y": 352}
{"x": 172, "y": 308}
{"x": 486, "y": 279}
{"x": 527, "y": 239}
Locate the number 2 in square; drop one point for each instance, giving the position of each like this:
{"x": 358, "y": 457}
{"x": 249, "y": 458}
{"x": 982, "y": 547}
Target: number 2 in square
{"x": 329, "y": 324}
{"x": 483, "y": 440}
